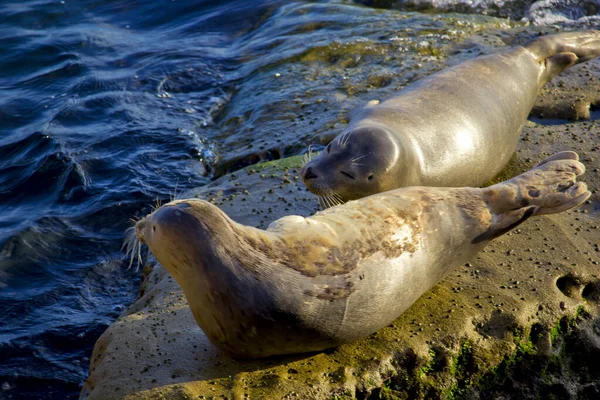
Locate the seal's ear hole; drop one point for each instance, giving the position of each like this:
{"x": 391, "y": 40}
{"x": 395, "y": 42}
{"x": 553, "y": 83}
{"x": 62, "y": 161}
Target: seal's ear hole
{"x": 328, "y": 148}
{"x": 153, "y": 228}
{"x": 370, "y": 178}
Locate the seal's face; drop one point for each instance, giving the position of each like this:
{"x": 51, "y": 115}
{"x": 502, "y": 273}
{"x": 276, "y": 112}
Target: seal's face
{"x": 357, "y": 163}
{"x": 174, "y": 234}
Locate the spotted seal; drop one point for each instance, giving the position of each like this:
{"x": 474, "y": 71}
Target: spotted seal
{"x": 458, "y": 127}
{"x": 307, "y": 284}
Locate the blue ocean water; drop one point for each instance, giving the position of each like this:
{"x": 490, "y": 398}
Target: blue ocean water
{"x": 90, "y": 136}
{"x": 108, "y": 106}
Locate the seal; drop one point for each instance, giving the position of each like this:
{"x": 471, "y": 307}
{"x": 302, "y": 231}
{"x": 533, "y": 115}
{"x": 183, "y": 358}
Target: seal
{"x": 307, "y": 284}
{"x": 457, "y": 127}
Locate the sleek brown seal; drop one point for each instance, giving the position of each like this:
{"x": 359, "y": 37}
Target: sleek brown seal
{"x": 458, "y": 127}
{"x": 307, "y": 284}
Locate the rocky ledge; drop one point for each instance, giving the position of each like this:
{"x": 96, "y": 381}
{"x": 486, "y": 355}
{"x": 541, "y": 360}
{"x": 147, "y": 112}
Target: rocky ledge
{"x": 521, "y": 320}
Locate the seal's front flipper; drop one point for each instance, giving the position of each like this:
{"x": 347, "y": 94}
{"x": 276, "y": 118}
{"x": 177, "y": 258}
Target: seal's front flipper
{"x": 505, "y": 222}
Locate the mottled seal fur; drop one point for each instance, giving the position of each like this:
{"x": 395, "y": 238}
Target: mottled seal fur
{"x": 458, "y": 127}
{"x": 307, "y": 284}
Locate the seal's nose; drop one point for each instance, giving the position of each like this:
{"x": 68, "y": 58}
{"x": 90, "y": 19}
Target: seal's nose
{"x": 139, "y": 229}
{"x": 309, "y": 174}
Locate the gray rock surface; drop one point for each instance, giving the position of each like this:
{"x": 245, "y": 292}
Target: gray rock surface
{"x": 519, "y": 321}
{"x": 537, "y": 12}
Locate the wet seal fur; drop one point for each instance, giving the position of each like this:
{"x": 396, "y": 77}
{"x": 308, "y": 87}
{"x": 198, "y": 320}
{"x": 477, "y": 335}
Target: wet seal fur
{"x": 458, "y": 127}
{"x": 307, "y": 284}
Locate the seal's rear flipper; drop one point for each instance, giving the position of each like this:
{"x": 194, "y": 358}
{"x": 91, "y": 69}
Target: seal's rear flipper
{"x": 561, "y": 155}
{"x": 563, "y": 50}
{"x": 558, "y": 63}
{"x": 550, "y": 186}
{"x": 505, "y": 222}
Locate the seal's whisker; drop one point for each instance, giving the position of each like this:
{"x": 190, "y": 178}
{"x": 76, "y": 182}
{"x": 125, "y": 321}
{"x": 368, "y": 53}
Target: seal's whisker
{"x": 308, "y": 156}
{"x": 337, "y": 198}
{"x": 330, "y": 200}
{"x": 320, "y": 200}
{"x": 326, "y": 203}
{"x": 132, "y": 248}
{"x": 133, "y": 254}
{"x": 139, "y": 256}
{"x": 358, "y": 158}
{"x": 323, "y": 202}
{"x": 127, "y": 240}
{"x": 173, "y": 196}
{"x": 346, "y": 138}
{"x": 305, "y": 159}
{"x": 129, "y": 244}
{"x": 157, "y": 204}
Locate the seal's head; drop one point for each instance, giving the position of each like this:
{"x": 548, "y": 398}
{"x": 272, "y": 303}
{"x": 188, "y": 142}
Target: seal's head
{"x": 179, "y": 236}
{"x": 357, "y": 163}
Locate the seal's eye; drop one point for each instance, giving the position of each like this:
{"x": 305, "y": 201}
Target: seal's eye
{"x": 153, "y": 228}
{"x": 370, "y": 177}
{"x": 347, "y": 175}
{"x": 328, "y": 148}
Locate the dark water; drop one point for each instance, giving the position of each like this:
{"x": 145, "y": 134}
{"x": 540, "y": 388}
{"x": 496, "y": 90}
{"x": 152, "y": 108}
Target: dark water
{"x": 107, "y": 106}
{"x": 101, "y": 113}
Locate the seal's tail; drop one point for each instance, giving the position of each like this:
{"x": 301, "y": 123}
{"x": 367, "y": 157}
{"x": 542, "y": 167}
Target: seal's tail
{"x": 564, "y": 50}
{"x": 549, "y": 187}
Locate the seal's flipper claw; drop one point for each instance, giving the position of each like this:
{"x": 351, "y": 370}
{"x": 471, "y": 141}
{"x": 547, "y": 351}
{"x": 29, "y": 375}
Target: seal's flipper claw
{"x": 562, "y": 172}
{"x": 570, "y": 198}
{"x": 563, "y": 155}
